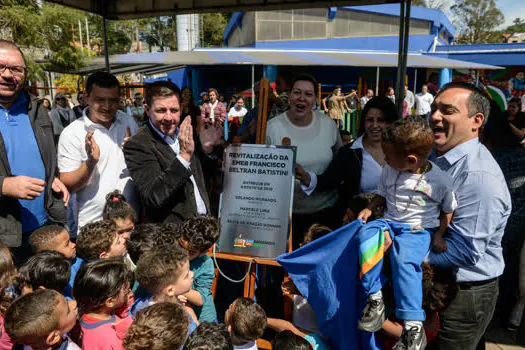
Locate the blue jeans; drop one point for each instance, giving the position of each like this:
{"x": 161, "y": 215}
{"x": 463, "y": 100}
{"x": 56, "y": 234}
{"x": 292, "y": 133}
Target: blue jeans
{"x": 409, "y": 247}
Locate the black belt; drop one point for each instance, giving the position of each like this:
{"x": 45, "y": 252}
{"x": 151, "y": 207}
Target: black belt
{"x": 469, "y": 285}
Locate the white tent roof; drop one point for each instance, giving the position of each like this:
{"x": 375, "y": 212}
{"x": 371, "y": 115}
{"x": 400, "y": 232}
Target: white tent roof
{"x": 149, "y": 63}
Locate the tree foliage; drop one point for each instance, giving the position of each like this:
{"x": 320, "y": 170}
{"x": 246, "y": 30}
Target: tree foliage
{"x": 433, "y": 4}
{"x": 160, "y": 32}
{"x": 44, "y": 33}
{"x": 477, "y": 21}
{"x": 518, "y": 26}
{"x": 213, "y": 25}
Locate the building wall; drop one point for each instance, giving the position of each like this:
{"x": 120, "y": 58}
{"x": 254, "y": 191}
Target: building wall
{"x": 311, "y": 24}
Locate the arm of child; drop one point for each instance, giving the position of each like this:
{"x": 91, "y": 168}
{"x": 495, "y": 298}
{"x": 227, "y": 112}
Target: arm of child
{"x": 374, "y": 203}
{"x": 393, "y": 328}
{"x": 279, "y": 325}
{"x": 439, "y": 245}
{"x": 200, "y": 292}
{"x": 194, "y": 298}
{"x": 192, "y": 314}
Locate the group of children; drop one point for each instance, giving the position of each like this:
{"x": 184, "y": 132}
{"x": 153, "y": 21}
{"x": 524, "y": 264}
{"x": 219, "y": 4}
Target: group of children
{"x": 123, "y": 287}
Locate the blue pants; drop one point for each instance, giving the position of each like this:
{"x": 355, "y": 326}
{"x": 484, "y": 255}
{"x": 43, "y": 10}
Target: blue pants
{"x": 408, "y": 250}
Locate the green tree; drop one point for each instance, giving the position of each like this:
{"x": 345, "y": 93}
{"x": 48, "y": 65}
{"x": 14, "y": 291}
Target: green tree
{"x": 433, "y": 4}
{"x": 477, "y": 21}
{"x": 213, "y": 25}
{"x": 43, "y": 31}
{"x": 161, "y": 32}
{"x": 518, "y": 26}
{"x": 119, "y": 34}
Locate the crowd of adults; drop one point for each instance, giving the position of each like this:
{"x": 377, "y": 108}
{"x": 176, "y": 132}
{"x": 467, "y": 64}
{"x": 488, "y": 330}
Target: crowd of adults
{"x": 161, "y": 152}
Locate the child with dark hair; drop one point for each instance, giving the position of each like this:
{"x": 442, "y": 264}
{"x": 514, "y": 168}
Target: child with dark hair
{"x": 246, "y": 321}
{"x": 209, "y": 336}
{"x": 420, "y": 202}
{"x": 7, "y": 292}
{"x": 346, "y": 137}
{"x": 96, "y": 240}
{"x": 119, "y": 211}
{"x": 439, "y": 289}
{"x": 158, "y": 327}
{"x": 45, "y": 270}
{"x": 287, "y": 340}
{"x": 314, "y": 232}
{"x": 165, "y": 274}
{"x": 101, "y": 288}
{"x": 149, "y": 237}
{"x": 52, "y": 237}
{"x": 362, "y": 201}
{"x": 42, "y": 320}
{"x": 197, "y": 236}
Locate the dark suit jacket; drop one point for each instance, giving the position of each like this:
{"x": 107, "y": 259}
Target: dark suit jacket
{"x": 10, "y": 222}
{"x": 343, "y": 172}
{"x": 162, "y": 181}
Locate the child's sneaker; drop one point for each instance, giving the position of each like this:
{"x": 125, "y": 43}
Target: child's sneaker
{"x": 373, "y": 315}
{"x": 412, "y": 339}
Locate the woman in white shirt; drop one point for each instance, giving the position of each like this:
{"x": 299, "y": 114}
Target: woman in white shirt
{"x": 317, "y": 140}
{"x": 356, "y": 169}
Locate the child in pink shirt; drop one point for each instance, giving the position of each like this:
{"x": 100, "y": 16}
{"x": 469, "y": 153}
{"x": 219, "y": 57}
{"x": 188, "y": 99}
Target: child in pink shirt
{"x": 102, "y": 288}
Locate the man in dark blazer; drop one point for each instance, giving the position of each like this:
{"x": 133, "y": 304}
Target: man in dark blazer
{"x": 164, "y": 158}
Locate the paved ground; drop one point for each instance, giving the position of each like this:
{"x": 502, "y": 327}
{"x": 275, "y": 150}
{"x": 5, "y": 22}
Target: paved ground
{"x": 501, "y": 339}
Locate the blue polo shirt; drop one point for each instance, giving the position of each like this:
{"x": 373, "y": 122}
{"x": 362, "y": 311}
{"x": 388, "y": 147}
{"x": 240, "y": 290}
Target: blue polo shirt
{"x": 24, "y": 158}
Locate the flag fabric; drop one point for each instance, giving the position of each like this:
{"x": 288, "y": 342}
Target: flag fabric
{"x": 327, "y": 273}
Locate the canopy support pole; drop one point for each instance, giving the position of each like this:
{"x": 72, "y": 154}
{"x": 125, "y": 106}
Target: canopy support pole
{"x": 415, "y": 81}
{"x": 377, "y": 81}
{"x": 404, "y": 27}
{"x": 106, "y": 48}
{"x": 253, "y": 84}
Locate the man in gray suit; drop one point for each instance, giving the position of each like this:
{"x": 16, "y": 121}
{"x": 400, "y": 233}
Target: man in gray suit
{"x": 164, "y": 158}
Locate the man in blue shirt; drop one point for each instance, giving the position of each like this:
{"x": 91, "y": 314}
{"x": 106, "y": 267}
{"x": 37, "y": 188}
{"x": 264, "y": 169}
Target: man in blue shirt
{"x": 31, "y": 194}
{"x": 484, "y": 205}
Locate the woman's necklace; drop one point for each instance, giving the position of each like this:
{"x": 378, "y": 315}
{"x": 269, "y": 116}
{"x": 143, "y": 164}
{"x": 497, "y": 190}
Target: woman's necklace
{"x": 411, "y": 196}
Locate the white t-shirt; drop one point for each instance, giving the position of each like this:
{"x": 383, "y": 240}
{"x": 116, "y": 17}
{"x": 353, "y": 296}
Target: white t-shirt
{"x": 237, "y": 112}
{"x": 423, "y": 102}
{"x": 363, "y": 101}
{"x": 370, "y": 169}
{"x": 432, "y": 195}
{"x": 317, "y": 143}
{"x": 248, "y": 346}
{"x": 110, "y": 173}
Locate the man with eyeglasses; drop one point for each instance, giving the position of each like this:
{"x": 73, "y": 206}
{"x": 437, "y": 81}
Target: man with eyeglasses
{"x": 31, "y": 196}
{"x": 90, "y": 155}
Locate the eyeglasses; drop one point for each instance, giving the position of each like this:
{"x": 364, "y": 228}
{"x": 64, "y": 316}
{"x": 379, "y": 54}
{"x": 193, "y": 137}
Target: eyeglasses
{"x": 15, "y": 70}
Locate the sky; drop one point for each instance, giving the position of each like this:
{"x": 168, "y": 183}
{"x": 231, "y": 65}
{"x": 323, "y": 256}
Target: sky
{"x": 511, "y": 9}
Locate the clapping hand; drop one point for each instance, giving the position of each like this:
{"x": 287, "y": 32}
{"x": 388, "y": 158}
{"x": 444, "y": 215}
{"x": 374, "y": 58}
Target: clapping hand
{"x": 128, "y": 136}
{"x": 92, "y": 149}
{"x": 187, "y": 144}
